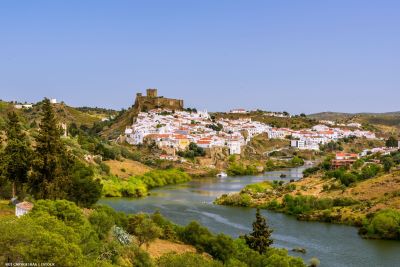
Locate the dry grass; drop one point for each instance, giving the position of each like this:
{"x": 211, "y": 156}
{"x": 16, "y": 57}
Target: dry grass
{"x": 126, "y": 168}
{"x": 161, "y": 247}
{"x": 5, "y": 209}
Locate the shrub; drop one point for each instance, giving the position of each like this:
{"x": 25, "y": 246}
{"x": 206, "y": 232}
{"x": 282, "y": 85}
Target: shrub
{"x": 384, "y": 224}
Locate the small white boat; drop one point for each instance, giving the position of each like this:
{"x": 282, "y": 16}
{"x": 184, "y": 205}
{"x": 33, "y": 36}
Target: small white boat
{"x": 222, "y": 174}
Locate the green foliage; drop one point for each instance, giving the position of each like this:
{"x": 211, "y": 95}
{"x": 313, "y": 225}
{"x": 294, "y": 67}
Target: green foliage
{"x": 15, "y": 160}
{"x": 258, "y": 187}
{"x": 56, "y": 173}
{"x": 296, "y": 161}
{"x": 384, "y": 224}
{"x": 388, "y": 163}
{"x": 238, "y": 169}
{"x": 242, "y": 200}
{"x": 347, "y": 177}
{"x": 305, "y": 204}
{"x": 137, "y": 186}
{"x": 220, "y": 246}
{"x": 392, "y": 142}
{"x": 192, "y": 151}
{"x": 143, "y": 227}
{"x": 260, "y": 239}
{"x": 40, "y": 239}
{"x": 101, "y": 222}
{"x": 310, "y": 171}
{"x": 331, "y": 146}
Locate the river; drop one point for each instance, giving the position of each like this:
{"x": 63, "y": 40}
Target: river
{"x": 333, "y": 245}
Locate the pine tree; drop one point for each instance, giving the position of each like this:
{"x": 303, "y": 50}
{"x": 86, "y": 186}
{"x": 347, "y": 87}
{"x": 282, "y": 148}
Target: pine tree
{"x": 52, "y": 162}
{"x": 17, "y": 155}
{"x": 57, "y": 174}
{"x": 260, "y": 239}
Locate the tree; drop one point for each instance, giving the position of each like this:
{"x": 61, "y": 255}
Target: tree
{"x": 388, "y": 163}
{"x": 84, "y": 190}
{"x": 39, "y": 239}
{"x": 147, "y": 231}
{"x": 260, "y": 239}
{"x": 51, "y": 163}
{"x": 17, "y": 155}
{"x": 392, "y": 142}
{"x": 57, "y": 174}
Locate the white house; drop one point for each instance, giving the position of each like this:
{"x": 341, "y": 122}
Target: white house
{"x": 23, "y": 208}
{"x": 21, "y": 106}
{"x": 238, "y": 110}
{"x": 234, "y": 147}
{"x": 53, "y": 101}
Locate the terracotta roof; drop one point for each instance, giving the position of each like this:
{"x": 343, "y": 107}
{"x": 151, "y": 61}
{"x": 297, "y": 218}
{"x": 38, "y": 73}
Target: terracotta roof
{"x": 25, "y": 205}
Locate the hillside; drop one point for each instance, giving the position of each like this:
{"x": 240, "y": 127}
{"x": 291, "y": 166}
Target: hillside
{"x": 386, "y": 122}
{"x": 118, "y": 125}
{"x": 63, "y": 112}
{"x": 295, "y": 122}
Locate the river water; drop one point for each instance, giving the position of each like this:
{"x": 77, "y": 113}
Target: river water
{"x": 333, "y": 245}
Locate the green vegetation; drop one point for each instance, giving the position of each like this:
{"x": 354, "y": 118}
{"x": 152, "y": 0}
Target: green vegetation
{"x": 296, "y": 205}
{"x": 392, "y": 142}
{"x": 384, "y": 224}
{"x": 54, "y": 172}
{"x": 260, "y": 239}
{"x": 236, "y": 169}
{"x": 192, "y": 151}
{"x": 294, "y": 122}
{"x": 138, "y": 186}
{"x": 61, "y": 233}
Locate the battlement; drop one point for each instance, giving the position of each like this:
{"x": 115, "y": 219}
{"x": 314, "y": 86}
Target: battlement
{"x": 151, "y": 92}
{"x": 153, "y": 101}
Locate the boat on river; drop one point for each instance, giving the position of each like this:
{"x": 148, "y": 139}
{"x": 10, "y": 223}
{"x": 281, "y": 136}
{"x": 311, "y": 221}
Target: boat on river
{"x": 222, "y": 174}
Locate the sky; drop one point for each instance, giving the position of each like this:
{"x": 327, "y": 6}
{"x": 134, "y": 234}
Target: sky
{"x": 296, "y": 56}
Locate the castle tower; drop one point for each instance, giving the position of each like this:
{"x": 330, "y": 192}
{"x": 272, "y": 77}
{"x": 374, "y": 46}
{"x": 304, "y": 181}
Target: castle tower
{"x": 151, "y": 92}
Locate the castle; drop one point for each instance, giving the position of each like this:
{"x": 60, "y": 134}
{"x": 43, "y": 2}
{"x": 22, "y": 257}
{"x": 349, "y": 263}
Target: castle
{"x": 152, "y": 101}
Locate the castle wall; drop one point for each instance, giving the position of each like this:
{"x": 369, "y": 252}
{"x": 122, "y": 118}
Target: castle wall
{"x": 144, "y": 103}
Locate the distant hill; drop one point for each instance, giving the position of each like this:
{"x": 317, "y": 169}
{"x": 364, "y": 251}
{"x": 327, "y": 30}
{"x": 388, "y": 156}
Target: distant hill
{"x": 340, "y": 115}
{"x": 388, "y": 122}
{"x": 64, "y": 113}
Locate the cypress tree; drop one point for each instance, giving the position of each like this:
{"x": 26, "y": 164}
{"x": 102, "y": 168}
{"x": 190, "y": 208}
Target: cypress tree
{"x": 52, "y": 162}
{"x": 260, "y": 239}
{"x": 56, "y": 173}
{"x": 17, "y": 155}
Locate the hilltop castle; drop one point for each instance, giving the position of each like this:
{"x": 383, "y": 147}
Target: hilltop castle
{"x": 152, "y": 101}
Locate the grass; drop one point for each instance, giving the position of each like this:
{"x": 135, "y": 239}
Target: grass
{"x": 5, "y": 209}
{"x": 160, "y": 247}
{"x": 131, "y": 168}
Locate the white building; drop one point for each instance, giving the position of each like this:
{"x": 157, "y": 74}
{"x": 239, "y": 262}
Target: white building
{"x": 234, "y": 147}
{"x": 238, "y": 110}
{"x": 21, "y": 106}
{"x": 53, "y": 101}
{"x": 23, "y": 208}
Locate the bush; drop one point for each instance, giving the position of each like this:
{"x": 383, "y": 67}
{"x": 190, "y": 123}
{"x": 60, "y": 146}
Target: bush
{"x": 310, "y": 171}
{"x": 384, "y": 224}
{"x": 137, "y": 186}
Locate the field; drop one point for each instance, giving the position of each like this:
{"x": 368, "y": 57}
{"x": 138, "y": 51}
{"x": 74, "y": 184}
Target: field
{"x": 126, "y": 168}
{"x": 5, "y": 209}
{"x": 160, "y": 247}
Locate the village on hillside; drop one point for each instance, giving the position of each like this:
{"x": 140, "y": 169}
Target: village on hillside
{"x": 174, "y": 130}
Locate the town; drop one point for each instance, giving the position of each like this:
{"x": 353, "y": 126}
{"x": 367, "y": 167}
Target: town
{"x": 173, "y": 130}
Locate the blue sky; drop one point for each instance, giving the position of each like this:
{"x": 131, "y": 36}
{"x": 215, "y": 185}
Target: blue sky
{"x": 299, "y": 56}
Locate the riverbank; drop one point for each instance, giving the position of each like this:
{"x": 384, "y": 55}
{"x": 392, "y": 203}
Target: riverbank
{"x": 139, "y": 185}
{"x": 192, "y": 201}
{"x": 372, "y": 205}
